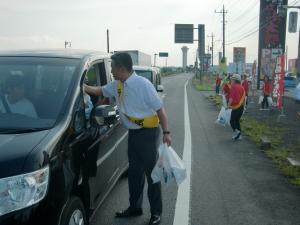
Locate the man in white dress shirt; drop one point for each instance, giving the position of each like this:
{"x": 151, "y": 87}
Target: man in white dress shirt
{"x": 141, "y": 111}
{"x": 14, "y": 101}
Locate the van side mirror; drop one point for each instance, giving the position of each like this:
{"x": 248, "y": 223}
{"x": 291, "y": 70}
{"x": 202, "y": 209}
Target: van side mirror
{"x": 160, "y": 88}
{"x": 104, "y": 114}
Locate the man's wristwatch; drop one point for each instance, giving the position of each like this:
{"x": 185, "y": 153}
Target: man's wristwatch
{"x": 166, "y": 132}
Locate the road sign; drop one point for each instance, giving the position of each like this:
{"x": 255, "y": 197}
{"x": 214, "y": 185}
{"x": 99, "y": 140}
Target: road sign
{"x": 239, "y": 55}
{"x": 184, "y": 33}
{"x": 293, "y": 22}
{"x": 163, "y": 54}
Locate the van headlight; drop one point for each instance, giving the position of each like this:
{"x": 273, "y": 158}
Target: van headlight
{"x": 22, "y": 191}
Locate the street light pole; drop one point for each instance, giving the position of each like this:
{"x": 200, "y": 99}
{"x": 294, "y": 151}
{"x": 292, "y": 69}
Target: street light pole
{"x": 155, "y": 54}
{"x": 107, "y": 36}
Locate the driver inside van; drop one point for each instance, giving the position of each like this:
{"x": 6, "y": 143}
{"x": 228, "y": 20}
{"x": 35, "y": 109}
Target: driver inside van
{"x": 15, "y": 101}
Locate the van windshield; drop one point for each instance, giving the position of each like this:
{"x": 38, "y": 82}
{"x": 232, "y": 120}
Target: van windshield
{"x": 33, "y": 91}
{"x": 145, "y": 73}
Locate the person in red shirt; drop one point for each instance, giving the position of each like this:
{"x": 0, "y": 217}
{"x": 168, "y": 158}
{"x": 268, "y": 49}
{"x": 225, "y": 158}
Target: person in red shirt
{"x": 226, "y": 88}
{"x": 266, "y": 89}
{"x": 218, "y": 84}
{"x": 245, "y": 85}
{"x": 236, "y": 103}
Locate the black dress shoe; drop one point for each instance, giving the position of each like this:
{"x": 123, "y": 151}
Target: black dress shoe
{"x": 130, "y": 212}
{"x": 155, "y": 219}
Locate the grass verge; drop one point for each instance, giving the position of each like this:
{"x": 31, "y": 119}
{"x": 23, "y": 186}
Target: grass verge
{"x": 206, "y": 84}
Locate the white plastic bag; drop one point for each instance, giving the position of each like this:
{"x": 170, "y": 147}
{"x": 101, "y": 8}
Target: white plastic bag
{"x": 169, "y": 167}
{"x": 270, "y": 100}
{"x": 260, "y": 100}
{"x": 224, "y": 117}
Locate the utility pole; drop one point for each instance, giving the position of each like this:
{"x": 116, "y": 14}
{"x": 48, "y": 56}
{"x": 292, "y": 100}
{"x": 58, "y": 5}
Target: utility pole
{"x": 155, "y": 54}
{"x": 224, "y": 21}
{"x": 107, "y": 36}
{"x": 212, "y": 49}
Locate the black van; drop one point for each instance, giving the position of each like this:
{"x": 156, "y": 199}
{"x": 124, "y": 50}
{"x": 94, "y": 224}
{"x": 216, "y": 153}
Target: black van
{"x": 61, "y": 150}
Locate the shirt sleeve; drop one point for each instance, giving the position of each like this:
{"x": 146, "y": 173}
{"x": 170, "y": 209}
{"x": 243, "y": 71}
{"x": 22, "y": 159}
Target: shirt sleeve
{"x": 110, "y": 89}
{"x": 152, "y": 98}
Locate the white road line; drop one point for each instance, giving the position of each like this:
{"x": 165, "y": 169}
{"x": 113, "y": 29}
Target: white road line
{"x": 182, "y": 210}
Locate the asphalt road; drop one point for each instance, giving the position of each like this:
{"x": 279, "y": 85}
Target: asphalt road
{"x": 232, "y": 183}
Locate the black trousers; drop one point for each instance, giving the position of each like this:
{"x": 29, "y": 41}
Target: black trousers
{"x": 265, "y": 102}
{"x": 142, "y": 154}
{"x": 236, "y": 115}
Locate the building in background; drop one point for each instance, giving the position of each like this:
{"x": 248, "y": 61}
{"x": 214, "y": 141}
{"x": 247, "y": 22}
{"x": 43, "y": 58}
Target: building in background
{"x": 292, "y": 66}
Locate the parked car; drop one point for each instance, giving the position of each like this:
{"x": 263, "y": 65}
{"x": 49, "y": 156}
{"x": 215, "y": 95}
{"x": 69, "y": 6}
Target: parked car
{"x": 152, "y": 74}
{"x": 290, "y": 81}
{"x": 56, "y": 165}
{"x": 297, "y": 93}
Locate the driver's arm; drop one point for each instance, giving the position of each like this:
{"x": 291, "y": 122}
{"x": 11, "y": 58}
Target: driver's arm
{"x": 91, "y": 90}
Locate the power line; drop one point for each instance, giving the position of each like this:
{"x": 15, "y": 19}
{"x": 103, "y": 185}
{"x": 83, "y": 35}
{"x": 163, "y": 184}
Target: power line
{"x": 221, "y": 3}
{"x": 252, "y": 32}
{"x": 248, "y": 10}
{"x": 232, "y": 3}
{"x": 249, "y": 30}
{"x": 244, "y": 25}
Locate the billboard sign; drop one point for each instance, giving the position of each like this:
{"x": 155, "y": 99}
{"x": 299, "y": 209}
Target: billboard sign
{"x": 184, "y": 33}
{"x": 293, "y": 19}
{"x": 271, "y": 38}
{"x": 163, "y": 54}
{"x": 239, "y": 55}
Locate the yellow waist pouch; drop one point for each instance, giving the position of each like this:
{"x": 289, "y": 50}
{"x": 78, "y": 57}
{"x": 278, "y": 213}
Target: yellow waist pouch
{"x": 147, "y": 122}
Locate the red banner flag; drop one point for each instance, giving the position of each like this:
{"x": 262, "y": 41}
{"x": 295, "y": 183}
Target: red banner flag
{"x": 278, "y": 81}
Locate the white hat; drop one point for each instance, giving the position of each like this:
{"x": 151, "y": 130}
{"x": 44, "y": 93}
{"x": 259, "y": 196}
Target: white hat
{"x": 236, "y": 77}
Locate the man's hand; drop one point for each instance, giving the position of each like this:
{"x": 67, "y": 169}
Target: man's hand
{"x": 167, "y": 139}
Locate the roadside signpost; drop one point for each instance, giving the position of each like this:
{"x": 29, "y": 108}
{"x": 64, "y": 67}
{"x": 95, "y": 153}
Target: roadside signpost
{"x": 164, "y": 55}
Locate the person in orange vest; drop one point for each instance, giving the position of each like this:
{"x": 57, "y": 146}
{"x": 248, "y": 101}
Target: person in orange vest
{"x": 226, "y": 88}
{"x": 218, "y": 84}
{"x": 266, "y": 88}
{"x": 245, "y": 85}
{"x": 236, "y": 103}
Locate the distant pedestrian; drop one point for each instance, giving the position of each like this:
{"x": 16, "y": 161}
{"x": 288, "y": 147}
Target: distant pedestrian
{"x": 236, "y": 103}
{"x": 226, "y": 88}
{"x": 218, "y": 84}
{"x": 266, "y": 89}
{"x": 245, "y": 84}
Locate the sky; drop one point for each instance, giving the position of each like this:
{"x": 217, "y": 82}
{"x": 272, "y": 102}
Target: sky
{"x": 145, "y": 25}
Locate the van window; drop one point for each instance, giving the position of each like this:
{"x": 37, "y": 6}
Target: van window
{"x": 146, "y": 74}
{"x": 34, "y": 90}
{"x": 95, "y": 76}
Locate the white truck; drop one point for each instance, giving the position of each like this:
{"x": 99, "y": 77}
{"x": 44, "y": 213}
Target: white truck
{"x": 139, "y": 58}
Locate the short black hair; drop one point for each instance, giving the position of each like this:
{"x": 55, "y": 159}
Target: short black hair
{"x": 14, "y": 81}
{"x": 122, "y": 59}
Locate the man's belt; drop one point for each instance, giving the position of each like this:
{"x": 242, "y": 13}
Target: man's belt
{"x": 147, "y": 122}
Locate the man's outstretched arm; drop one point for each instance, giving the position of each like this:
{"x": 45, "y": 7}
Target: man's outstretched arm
{"x": 92, "y": 90}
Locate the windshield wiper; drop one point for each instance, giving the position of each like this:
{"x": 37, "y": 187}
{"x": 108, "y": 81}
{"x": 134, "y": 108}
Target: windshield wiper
{"x": 21, "y": 130}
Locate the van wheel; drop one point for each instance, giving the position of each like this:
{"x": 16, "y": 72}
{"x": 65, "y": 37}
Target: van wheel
{"x": 73, "y": 213}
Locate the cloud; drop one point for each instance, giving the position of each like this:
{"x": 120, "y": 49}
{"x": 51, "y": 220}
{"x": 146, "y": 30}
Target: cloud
{"x": 28, "y": 42}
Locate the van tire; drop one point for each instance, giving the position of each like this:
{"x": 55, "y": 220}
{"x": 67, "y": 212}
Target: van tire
{"x": 73, "y": 209}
